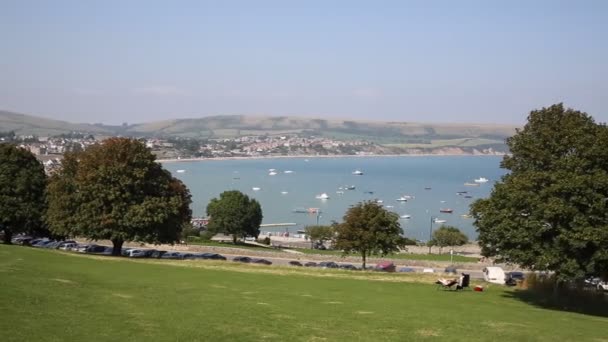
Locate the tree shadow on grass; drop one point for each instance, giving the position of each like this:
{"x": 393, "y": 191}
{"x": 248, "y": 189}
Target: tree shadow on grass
{"x": 583, "y": 301}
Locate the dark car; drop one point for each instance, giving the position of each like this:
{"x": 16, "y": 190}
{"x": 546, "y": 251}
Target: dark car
{"x": 349, "y": 267}
{"x": 310, "y": 264}
{"x": 213, "y": 256}
{"x": 450, "y": 269}
{"x": 407, "y": 269}
{"x": 328, "y": 264}
{"x": 261, "y": 261}
{"x": 188, "y": 256}
{"x": 295, "y": 263}
{"x": 513, "y": 278}
{"x": 242, "y": 259}
{"x": 156, "y": 254}
{"x": 95, "y": 249}
{"x": 41, "y": 243}
{"x": 171, "y": 255}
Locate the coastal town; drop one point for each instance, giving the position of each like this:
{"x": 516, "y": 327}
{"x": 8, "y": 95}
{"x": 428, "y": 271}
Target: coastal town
{"x": 50, "y": 149}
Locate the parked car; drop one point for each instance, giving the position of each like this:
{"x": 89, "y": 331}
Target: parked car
{"x": 295, "y": 263}
{"x": 63, "y": 243}
{"x": 451, "y": 270}
{"x": 428, "y": 270}
{"x": 52, "y": 244}
{"x": 68, "y": 246}
{"x": 513, "y": 278}
{"x": 261, "y": 261}
{"x": 602, "y": 286}
{"x": 407, "y": 269}
{"x": 493, "y": 274}
{"x": 136, "y": 253}
{"x": 189, "y": 256}
{"x": 242, "y": 259}
{"x": 328, "y": 264}
{"x": 171, "y": 255}
{"x": 95, "y": 249}
{"x": 385, "y": 266}
{"x": 41, "y": 243}
{"x": 213, "y": 256}
{"x": 156, "y": 254}
{"x": 310, "y": 264}
{"x": 348, "y": 267}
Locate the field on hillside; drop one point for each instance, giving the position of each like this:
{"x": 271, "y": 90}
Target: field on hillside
{"x": 48, "y": 295}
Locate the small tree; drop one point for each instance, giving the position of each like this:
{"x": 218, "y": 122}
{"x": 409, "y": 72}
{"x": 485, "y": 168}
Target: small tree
{"x": 234, "y": 213}
{"x": 117, "y": 191}
{"x": 319, "y": 234}
{"x": 368, "y": 229}
{"x": 22, "y": 184}
{"x": 448, "y": 236}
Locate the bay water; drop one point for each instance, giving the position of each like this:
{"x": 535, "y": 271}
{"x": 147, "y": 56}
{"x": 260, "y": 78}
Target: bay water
{"x": 432, "y": 182}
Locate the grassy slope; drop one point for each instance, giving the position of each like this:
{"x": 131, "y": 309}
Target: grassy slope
{"x": 50, "y": 296}
{"x": 32, "y": 125}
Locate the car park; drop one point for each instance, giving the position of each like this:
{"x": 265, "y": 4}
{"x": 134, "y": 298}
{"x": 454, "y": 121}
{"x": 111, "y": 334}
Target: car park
{"x": 295, "y": 263}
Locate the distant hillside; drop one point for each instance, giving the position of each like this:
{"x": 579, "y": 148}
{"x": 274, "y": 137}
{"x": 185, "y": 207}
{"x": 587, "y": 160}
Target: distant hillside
{"x": 397, "y": 135}
{"x": 23, "y": 124}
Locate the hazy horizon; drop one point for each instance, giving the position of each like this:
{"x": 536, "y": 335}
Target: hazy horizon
{"x": 417, "y": 61}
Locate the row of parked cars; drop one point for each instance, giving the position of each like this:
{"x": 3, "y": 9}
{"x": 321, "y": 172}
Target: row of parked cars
{"x": 71, "y": 245}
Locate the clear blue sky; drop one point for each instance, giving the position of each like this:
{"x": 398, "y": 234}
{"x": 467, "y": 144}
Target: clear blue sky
{"x": 430, "y": 61}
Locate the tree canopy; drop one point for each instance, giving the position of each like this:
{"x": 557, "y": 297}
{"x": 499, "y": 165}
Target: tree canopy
{"x": 117, "y": 191}
{"x": 448, "y": 236}
{"x": 234, "y": 213}
{"x": 550, "y": 212}
{"x": 368, "y": 229}
{"x": 22, "y": 192}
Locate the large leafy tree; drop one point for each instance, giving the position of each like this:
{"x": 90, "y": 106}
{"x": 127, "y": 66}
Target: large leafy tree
{"x": 369, "y": 229}
{"x": 234, "y": 213}
{"x": 448, "y": 236}
{"x": 22, "y": 184}
{"x": 550, "y": 212}
{"x": 117, "y": 191}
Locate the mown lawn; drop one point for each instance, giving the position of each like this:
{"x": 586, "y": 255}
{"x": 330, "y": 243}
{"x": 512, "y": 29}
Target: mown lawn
{"x": 404, "y": 256}
{"x": 46, "y": 295}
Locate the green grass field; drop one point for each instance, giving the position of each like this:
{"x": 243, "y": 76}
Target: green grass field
{"x": 404, "y": 256}
{"x": 48, "y": 295}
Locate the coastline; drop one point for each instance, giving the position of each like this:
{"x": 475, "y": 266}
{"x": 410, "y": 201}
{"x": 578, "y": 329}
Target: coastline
{"x": 174, "y": 160}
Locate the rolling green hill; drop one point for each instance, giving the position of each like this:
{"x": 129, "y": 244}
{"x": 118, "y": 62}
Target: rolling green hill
{"x": 404, "y": 135}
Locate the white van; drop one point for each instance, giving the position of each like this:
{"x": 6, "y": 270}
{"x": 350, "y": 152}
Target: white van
{"x": 494, "y": 275}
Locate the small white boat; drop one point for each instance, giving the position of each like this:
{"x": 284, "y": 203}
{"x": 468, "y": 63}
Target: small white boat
{"x": 180, "y": 171}
{"x": 272, "y": 170}
{"x": 401, "y": 199}
{"x": 350, "y": 187}
{"x": 481, "y": 180}
{"x": 284, "y": 192}
{"x": 358, "y": 173}
{"x": 442, "y": 201}
{"x": 390, "y": 206}
{"x": 439, "y": 221}
{"x": 340, "y": 192}
{"x": 407, "y": 217}
{"x": 379, "y": 201}
{"x": 272, "y": 173}
{"x": 323, "y": 196}
{"x": 287, "y": 171}
{"x": 255, "y": 188}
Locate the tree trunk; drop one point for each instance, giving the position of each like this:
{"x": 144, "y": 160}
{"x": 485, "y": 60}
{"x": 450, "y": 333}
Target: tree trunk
{"x": 440, "y": 249}
{"x": 8, "y": 236}
{"x": 117, "y": 247}
{"x": 363, "y": 257}
{"x": 234, "y": 239}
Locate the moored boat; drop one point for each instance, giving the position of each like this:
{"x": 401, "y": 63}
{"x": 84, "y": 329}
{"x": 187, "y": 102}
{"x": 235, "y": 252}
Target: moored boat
{"x": 446, "y": 210}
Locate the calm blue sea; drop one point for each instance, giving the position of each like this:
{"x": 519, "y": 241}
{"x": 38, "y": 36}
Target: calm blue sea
{"x": 387, "y": 177}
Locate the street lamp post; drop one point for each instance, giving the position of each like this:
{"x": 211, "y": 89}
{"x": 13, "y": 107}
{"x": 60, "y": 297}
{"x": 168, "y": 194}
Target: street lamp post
{"x": 430, "y": 233}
